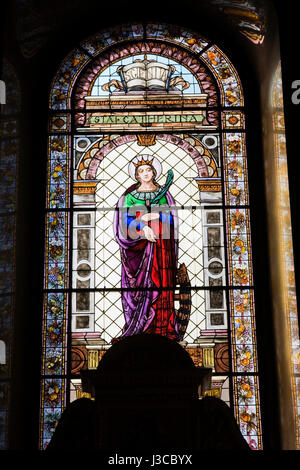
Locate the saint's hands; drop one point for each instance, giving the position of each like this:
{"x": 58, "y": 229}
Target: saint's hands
{"x": 150, "y": 216}
{"x": 149, "y": 234}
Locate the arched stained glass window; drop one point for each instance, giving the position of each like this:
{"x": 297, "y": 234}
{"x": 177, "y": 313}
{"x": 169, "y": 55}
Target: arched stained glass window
{"x": 160, "y": 98}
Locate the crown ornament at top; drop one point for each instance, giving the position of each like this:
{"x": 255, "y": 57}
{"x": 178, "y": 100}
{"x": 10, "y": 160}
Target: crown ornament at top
{"x": 141, "y": 162}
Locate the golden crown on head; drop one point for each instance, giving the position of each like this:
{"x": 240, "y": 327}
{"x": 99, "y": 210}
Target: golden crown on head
{"x": 143, "y": 162}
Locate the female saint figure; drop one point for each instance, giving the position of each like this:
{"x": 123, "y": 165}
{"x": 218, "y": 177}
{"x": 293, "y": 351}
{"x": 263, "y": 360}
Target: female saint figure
{"x": 145, "y": 227}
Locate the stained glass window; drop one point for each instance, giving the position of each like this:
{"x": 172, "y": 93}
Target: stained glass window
{"x": 162, "y": 99}
{"x": 9, "y": 163}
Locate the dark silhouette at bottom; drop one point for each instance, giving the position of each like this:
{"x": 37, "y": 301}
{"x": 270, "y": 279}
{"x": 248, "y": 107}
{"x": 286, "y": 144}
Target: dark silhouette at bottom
{"x": 146, "y": 398}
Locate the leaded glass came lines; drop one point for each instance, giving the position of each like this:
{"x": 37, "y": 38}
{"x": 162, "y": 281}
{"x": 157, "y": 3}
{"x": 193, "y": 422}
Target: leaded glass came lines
{"x": 188, "y": 133}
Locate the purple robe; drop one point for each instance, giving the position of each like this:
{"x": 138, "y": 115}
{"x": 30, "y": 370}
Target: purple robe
{"x": 140, "y": 292}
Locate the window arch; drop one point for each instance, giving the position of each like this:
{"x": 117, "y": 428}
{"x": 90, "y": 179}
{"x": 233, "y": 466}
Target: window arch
{"x": 194, "y": 126}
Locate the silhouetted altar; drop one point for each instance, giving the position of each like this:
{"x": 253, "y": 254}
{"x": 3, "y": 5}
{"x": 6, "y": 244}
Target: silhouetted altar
{"x": 143, "y": 388}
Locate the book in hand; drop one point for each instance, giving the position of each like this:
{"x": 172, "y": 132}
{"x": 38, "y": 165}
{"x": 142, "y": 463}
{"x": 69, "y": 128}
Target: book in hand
{"x": 141, "y": 76}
